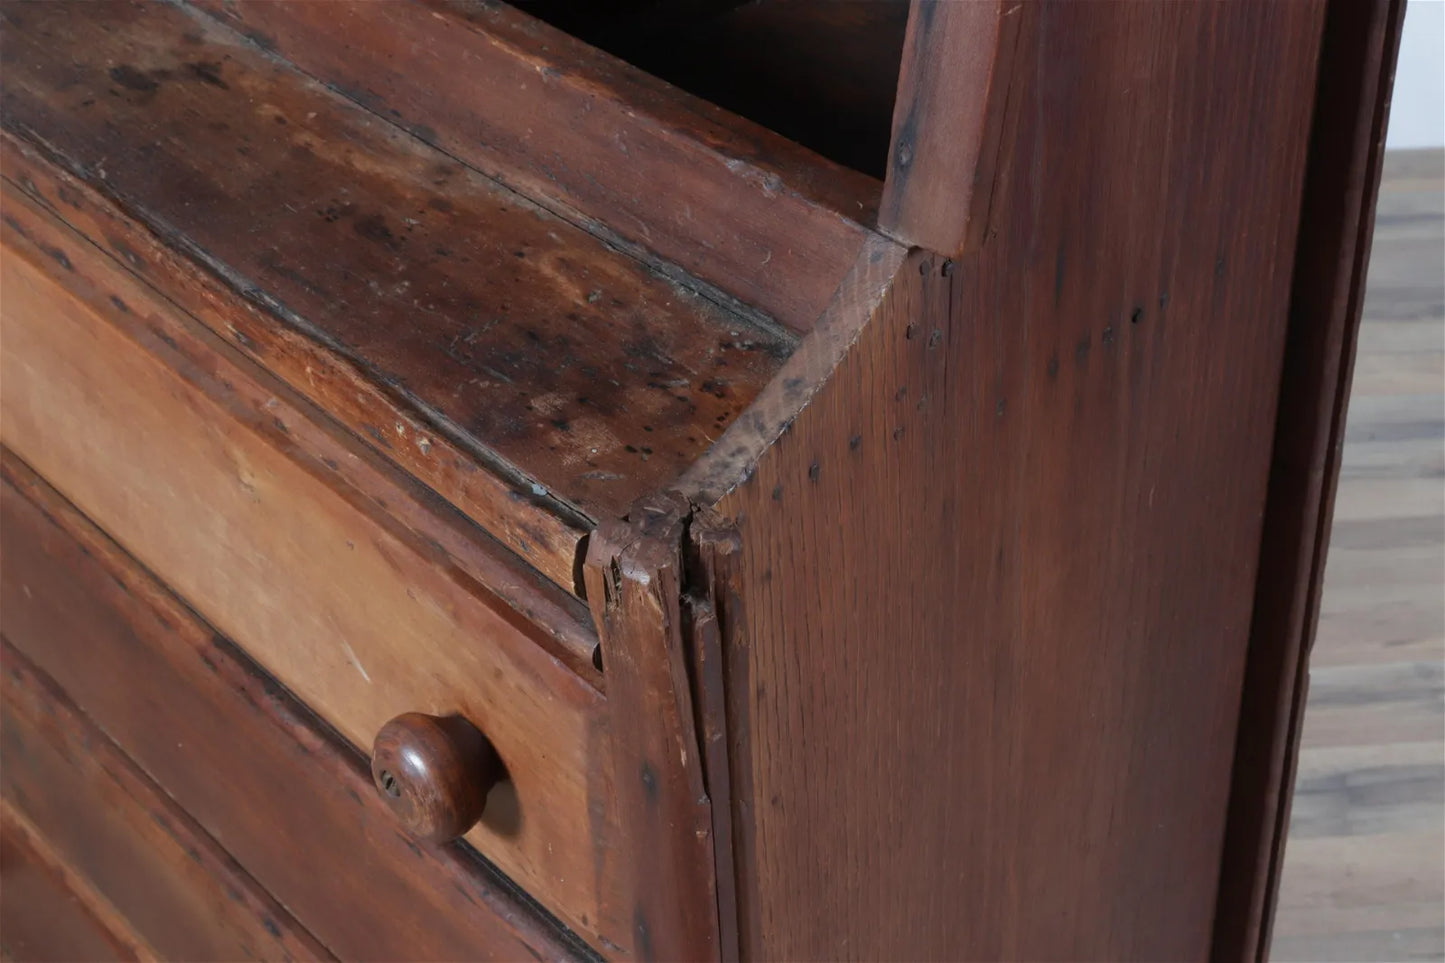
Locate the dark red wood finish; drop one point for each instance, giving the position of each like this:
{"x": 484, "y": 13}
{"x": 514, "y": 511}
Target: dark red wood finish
{"x": 129, "y": 846}
{"x": 1357, "y": 58}
{"x": 635, "y": 585}
{"x": 434, "y": 773}
{"x": 996, "y": 577}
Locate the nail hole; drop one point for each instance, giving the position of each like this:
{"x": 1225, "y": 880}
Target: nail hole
{"x": 388, "y": 782}
{"x": 597, "y": 657}
{"x": 1137, "y": 316}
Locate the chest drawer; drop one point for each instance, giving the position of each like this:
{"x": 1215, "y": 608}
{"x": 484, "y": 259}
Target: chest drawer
{"x": 253, "y": 771}
{"x": 323, "y": 565}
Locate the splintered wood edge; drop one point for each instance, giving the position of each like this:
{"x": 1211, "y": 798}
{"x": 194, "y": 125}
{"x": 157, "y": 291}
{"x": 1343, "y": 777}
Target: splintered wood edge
{"x": 733, "y": 457}
{"x": 636, "y": 582}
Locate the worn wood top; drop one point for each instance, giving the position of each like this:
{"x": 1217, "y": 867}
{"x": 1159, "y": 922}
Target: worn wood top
{"x": 768, "y": 224}
{"x": 1364, "y": 865}
{"x": 583, "y": 376}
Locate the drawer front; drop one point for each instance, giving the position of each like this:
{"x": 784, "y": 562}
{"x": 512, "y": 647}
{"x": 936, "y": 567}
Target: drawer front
{"x": 137, "y": 857}
{"x": 46, "y": 913}
{"x": 205, "y": 471}
{"x": 289, "y": 801}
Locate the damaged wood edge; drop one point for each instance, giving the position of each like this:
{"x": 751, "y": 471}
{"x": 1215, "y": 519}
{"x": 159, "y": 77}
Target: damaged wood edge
{"x": 714, "y": 606}
{"x": 270, "y": 409}
{"x": 651, "y": 625}
{"x": 546, "y": 532}
{"x": 731, "y": 459}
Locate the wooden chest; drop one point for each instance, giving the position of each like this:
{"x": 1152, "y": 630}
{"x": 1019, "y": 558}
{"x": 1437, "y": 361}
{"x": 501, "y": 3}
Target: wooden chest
{"x": 785, "y": 480}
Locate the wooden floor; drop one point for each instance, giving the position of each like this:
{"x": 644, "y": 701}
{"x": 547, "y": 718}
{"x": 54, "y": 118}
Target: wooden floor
{"x": 1364, "y": 873}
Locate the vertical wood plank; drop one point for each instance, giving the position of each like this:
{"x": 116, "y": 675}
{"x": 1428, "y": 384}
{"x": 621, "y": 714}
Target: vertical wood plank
{"x": 712, "y": 549}
{"x": 1356, "y": 71}
{"x": 635, "y": 584}
{"x": 998, "y": 573}
{"x": 948, "y": 121}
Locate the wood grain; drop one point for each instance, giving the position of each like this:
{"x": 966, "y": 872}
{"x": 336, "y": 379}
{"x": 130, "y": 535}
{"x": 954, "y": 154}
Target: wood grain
{"x": 635, "y": 583}
{"x": 552, "y": 617}
{"x": 286, "y": 797}
{"x": 710, "y": 560}
{"x": 996, "y": 577}
{"x": 1357, "y": 55}
{"x": 183, "y": 895}
{"x": 735, "y": 454}
{"x": 764, "y": 222}
{"x": 435, "y": 773}
{"x": 579, "y": 369}
{"x": 1363, "y": 874}
{"x": 958, "y": 71}
{"x": 47, "y": 913}
{"x": 346, "y": 611}
{"x": 537, "y": 528}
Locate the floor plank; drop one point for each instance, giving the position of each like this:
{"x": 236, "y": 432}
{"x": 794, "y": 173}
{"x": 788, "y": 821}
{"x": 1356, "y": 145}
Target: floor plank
{"x": 1364, "y": 869}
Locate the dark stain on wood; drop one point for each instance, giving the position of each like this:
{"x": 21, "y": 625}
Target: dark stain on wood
{"x": 573, "y": 320}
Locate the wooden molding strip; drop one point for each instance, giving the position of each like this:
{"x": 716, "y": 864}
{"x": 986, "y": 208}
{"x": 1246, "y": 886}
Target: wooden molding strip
{"x": 556, "y": 621}
{"x": 948, "y": 122}
{"x": 543, "y": 531}
{"x": 769, "y": 224}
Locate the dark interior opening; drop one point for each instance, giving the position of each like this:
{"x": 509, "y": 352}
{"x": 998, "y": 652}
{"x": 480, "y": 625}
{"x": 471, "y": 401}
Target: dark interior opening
{"x": 820, "y": 72}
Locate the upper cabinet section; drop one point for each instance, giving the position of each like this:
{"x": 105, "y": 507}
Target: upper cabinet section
{"x": 542, "y": 271}
{"x": 531, "y": 372}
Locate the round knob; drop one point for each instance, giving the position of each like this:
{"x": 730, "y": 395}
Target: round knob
{"x": 434, "y": 773}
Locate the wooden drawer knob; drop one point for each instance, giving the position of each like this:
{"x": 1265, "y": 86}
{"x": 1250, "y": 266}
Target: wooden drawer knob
{"x": 434, "y": 773}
